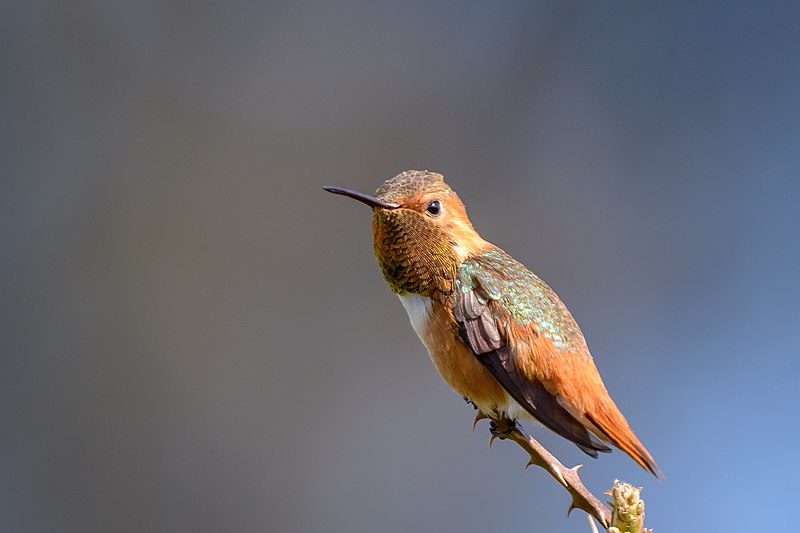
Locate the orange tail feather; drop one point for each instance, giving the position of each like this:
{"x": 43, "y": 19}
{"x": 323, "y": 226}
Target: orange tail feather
{"x": 616, "y": 431}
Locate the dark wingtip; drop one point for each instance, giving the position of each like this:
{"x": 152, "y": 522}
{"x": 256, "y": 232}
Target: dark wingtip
{"x": 595, "y": 448}
{"x": 591, "y": 452}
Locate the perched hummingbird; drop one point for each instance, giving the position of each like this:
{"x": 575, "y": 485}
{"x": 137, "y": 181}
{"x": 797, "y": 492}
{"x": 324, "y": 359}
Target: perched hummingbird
{"x": 497, "y": 333}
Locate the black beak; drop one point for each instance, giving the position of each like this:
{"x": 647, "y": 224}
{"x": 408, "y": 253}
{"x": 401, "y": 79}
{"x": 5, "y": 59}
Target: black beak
{"x": 361, "y": 197}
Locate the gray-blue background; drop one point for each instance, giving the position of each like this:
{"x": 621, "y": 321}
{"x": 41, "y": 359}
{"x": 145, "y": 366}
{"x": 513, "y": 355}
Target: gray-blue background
{"x": 194, "y": 337}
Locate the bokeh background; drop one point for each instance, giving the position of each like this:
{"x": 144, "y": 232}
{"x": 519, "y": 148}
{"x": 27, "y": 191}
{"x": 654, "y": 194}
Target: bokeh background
{"x": 195, "y": 337}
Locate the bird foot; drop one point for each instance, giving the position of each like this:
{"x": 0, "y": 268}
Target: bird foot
{"x": 470, "y": 402}
{"x": 501, "y": 428}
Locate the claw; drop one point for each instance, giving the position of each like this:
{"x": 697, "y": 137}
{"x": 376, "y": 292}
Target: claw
{"x": 501, "y": 428}
{"x": 478, "y": 417}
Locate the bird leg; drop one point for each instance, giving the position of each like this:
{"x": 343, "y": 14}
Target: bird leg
{"x": 567, "y": 477}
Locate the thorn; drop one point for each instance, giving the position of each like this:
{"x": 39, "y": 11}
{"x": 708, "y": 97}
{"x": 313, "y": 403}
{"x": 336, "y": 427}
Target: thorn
{"x": 530, "y": 462}
{"x": 557, "y": 471}
{"x": 571, "y": 507}
{"x": 491, "y": 440}
{"x": 478, "y": 417}
{"x": 576, "y": 468}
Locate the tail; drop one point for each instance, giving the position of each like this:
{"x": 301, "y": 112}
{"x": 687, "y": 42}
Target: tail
{"x": 614, "y": 429}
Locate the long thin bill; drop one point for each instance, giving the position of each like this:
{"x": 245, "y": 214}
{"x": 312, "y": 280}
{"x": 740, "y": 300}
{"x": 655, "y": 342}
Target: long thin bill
{"x": 361, "y": 197}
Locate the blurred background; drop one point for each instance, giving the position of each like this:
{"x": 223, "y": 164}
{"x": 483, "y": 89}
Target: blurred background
{"x": 195, "y": 337}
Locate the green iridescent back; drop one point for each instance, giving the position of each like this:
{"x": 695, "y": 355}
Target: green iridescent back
{"x": 519, "y": 291}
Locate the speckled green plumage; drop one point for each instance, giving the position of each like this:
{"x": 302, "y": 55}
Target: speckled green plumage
{"x": 496, "y": 275}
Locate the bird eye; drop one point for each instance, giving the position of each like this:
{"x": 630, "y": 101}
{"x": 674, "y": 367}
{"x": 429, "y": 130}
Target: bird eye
{"x": 434, "y": 208}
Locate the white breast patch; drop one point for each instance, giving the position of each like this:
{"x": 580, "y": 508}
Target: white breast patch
{"x": 418, "y": 309}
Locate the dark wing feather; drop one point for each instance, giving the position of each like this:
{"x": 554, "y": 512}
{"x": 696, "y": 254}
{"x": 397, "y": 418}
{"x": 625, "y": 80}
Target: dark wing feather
{"x": 535, "y": 399}
{"x": 479, "y": 327}
{"x": 480, "y": 330}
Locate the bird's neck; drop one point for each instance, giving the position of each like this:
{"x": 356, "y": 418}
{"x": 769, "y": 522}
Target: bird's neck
{"x": 425, "y": 268}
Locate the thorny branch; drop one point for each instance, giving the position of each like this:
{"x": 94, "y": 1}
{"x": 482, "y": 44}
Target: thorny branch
{"x": 567, "y": 477}
{"x": 626, "y": 514}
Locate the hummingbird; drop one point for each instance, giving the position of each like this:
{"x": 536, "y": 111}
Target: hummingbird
{"x": 497, "y": 333}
